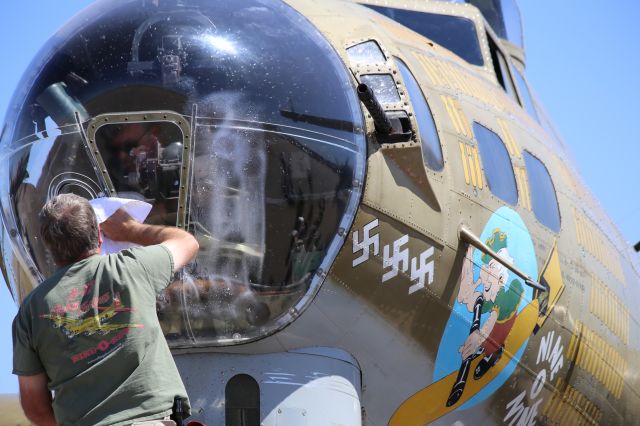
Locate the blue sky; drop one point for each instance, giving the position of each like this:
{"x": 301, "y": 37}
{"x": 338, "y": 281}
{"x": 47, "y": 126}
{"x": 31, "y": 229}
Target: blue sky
{"x": 582, "y": 60}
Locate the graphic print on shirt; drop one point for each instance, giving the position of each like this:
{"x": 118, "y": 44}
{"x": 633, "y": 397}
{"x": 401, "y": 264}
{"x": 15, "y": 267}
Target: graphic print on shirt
{"x": 78, "y": 316}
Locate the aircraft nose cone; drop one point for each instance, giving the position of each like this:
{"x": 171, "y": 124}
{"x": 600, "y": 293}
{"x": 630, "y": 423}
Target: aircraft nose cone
{"x": 236, "y": 120}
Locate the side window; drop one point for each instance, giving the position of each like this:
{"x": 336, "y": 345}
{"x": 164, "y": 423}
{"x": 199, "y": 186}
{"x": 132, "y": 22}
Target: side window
{"x": 525, "y": 95}
{"x": 497, "y": 164}
{"x": 502, "y": 69}
{"x": 431, "y": 150}
{"x": 543, "y": 194}
{"x": 454, "y": 33}
{"x": 383, "y": 86}
{"x": 366, "y": 53}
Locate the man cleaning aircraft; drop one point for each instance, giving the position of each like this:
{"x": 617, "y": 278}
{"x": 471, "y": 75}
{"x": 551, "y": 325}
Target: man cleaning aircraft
{"x": 343, "y": 167}
{"x": 99, "y": 375}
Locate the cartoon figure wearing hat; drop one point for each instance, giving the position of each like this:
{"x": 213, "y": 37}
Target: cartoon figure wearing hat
{"x": 499, "y": 301}
{"x": 493, "y": 314}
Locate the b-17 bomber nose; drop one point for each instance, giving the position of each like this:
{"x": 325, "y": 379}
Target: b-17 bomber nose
{"x": 235, "y": 120}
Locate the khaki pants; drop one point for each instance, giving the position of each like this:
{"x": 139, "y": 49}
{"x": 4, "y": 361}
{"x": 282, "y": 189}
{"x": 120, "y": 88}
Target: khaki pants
{"x": 164, "y": 422}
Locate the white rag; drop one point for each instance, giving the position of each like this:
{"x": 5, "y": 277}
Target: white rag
{"x": 105, "y": 207}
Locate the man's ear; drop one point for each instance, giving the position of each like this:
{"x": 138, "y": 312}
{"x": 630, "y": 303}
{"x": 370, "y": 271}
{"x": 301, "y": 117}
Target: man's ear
{"x": 99, "y": 236}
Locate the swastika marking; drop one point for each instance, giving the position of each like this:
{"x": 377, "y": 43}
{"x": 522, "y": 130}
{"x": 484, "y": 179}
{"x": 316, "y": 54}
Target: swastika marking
{"x": 421, "y": 270}
{"x": 367, "y": 242}
{"x": 398, "y": 260}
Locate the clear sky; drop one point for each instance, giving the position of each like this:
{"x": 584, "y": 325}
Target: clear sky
{"x": 582, "y": 60}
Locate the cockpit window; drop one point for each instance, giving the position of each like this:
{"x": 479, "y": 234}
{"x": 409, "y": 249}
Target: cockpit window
{"x": 513, "y": 22}
{"x": 501, "y": 68}
{"x": 504, "y": 18}
{"x": 455, "y": 33}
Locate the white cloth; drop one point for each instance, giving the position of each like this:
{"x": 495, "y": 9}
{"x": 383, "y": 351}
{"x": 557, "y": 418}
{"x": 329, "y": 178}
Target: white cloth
{"x": 105, "y": 207}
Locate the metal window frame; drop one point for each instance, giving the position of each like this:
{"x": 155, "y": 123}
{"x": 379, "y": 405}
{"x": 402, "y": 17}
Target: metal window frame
{"x": 184, "y": 124}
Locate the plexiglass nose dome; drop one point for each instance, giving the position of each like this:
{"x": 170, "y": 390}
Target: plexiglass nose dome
{"x": 235, "y": 119}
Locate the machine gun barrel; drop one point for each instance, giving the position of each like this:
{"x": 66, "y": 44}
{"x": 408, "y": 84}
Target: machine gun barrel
{"x": 380, "y": 119}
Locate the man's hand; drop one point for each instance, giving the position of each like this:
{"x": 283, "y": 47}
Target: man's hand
{"x": 117, "y": 226}
{"x": 35, "y": 399}
{"x": 122, "y": 227}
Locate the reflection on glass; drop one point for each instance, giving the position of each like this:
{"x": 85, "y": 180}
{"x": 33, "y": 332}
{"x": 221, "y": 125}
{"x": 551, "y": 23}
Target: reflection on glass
{"x": 265, "y": 208}
{"x": 431, "y": 149}
{"x": 46, "y": 166}
{"x": 221, "y": 44}
{"x": 278, "y": 149}
{"x": 543, "y": 193}
{"x": 496, "y": 164}
{"x": 513, "y": 22}
{"x": 147, "y": 56}
{"x": 504, "y": 18}
{"x": 40, "y": 151}
{"x": 367, "y": 53}
{"x": 143, "y": 160}
{"x": 383, "y": 87}
{"x": 501, "y": 69}
{"x": 454, "y": 33}
{"x": 525, "y": 95}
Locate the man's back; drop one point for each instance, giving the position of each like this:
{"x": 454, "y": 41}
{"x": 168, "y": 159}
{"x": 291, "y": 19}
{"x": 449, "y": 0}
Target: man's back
{"x": 93, "y": 328}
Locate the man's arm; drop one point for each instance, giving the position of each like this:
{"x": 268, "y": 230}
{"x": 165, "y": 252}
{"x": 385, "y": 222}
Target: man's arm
{"x": 35, "y": 399}
{"x": 122, "y": 227}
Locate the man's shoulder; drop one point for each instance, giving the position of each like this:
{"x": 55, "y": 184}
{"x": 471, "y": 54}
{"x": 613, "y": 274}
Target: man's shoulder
{"x": 27, "y": 301}
{"x": 152, "y": 259}
{"x": 156, "y": 252}
{"x": 40, "y": 290}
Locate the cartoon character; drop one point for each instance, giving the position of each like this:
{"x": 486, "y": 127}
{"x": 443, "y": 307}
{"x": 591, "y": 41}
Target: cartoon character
{"x": 495, "y": 298}
{"x": 501, "y": 302}
{"x": 511, "y": 314}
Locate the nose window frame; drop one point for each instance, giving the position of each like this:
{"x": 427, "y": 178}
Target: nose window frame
{"x": 171, "y": 117}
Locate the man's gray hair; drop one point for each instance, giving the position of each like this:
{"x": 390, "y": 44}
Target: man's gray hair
{"x": 69, "y": 228}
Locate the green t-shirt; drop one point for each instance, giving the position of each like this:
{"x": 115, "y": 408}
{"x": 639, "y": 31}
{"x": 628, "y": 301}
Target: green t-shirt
{"x": 92, "y": 328}
{"x": 506, "y": 301}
